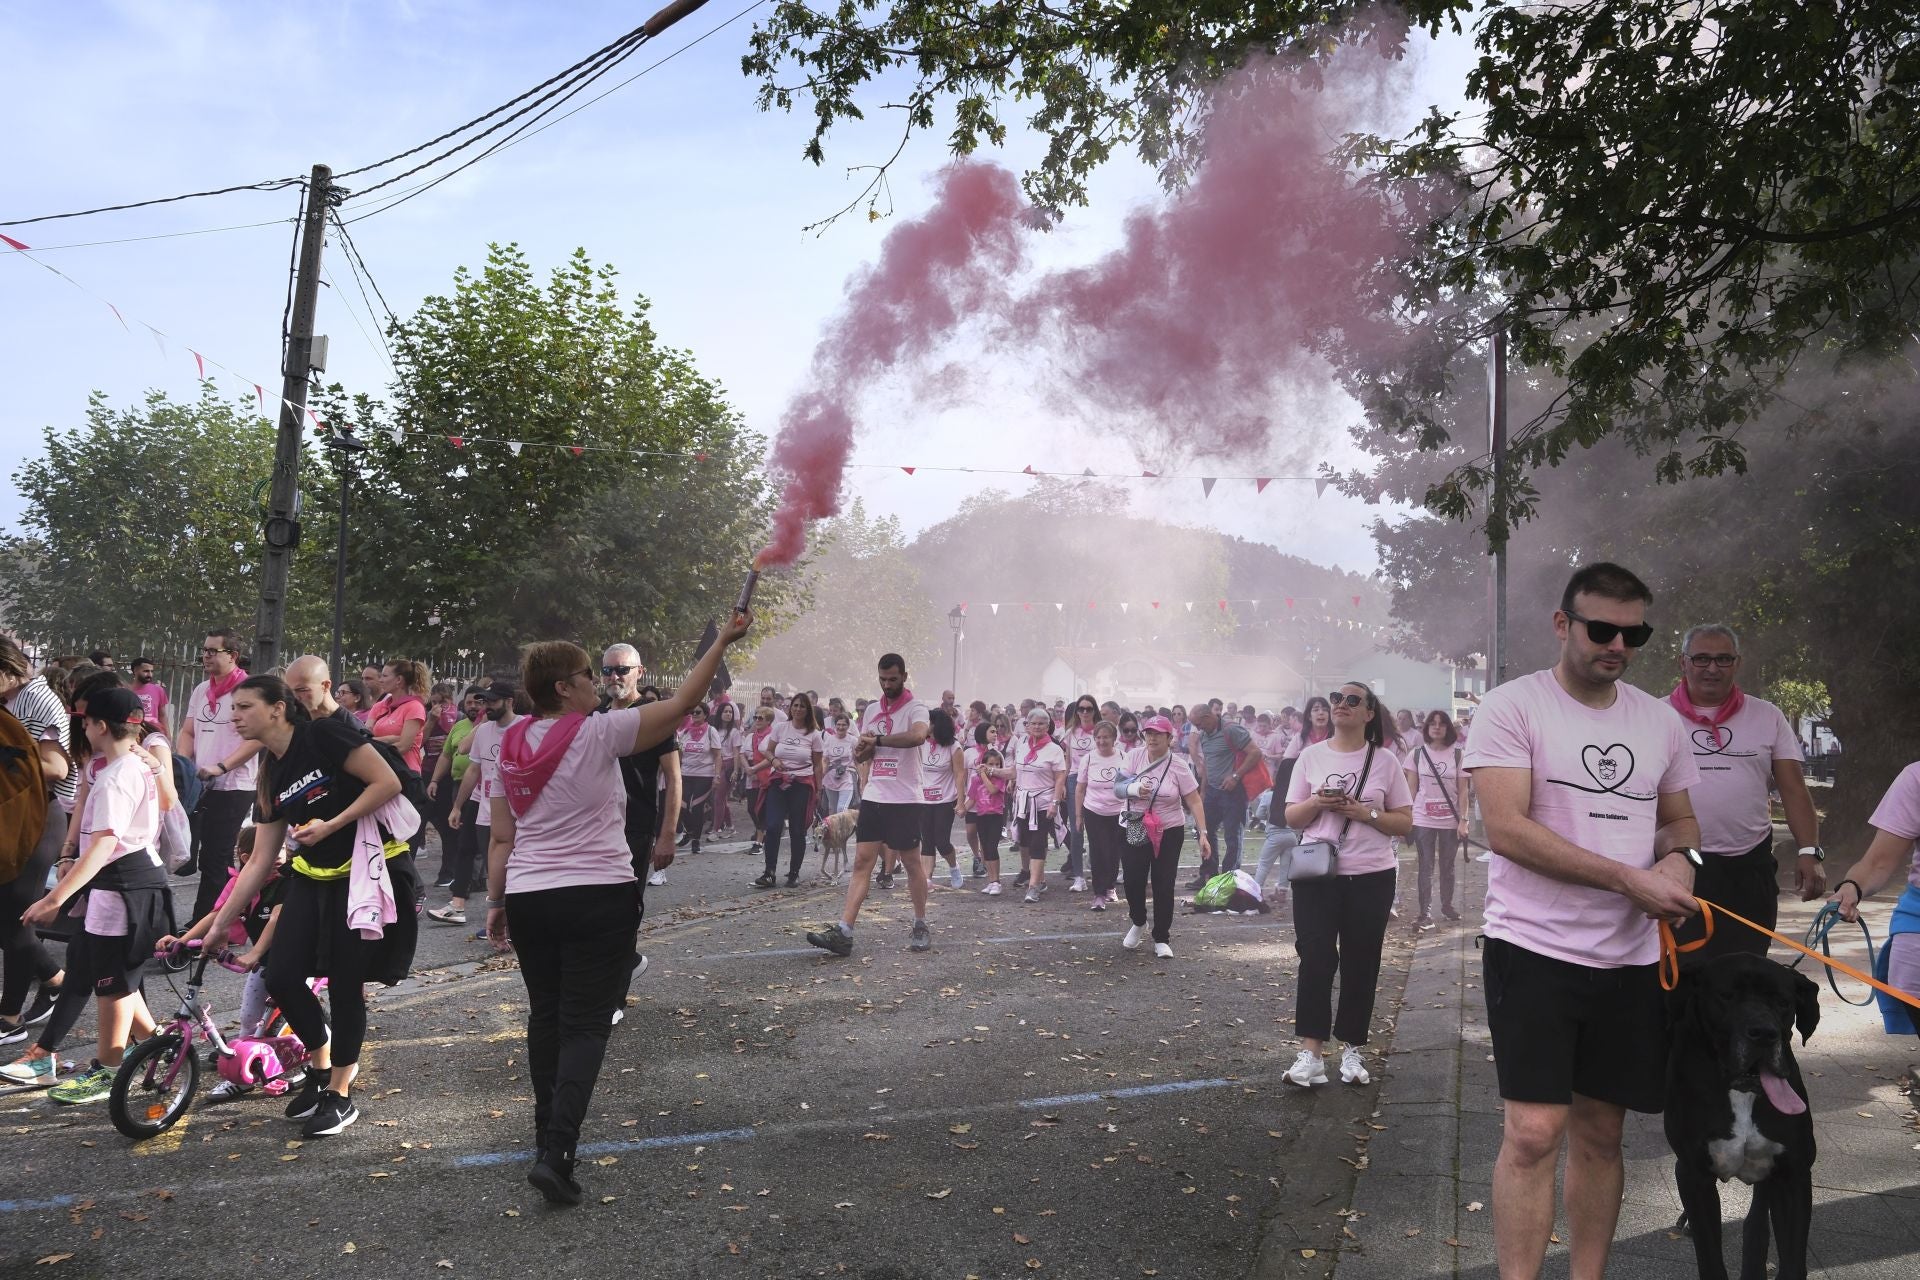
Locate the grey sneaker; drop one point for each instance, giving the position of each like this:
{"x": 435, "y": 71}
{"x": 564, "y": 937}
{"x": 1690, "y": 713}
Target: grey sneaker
{"x": 922, "y": 938}
{"x": 832, "y": 939}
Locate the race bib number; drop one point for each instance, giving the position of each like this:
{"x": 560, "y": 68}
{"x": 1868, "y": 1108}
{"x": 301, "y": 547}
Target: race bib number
{"x": 930, "y": 794}
{"x": 885, "y": 768}
{"x": 1439, "y": 809}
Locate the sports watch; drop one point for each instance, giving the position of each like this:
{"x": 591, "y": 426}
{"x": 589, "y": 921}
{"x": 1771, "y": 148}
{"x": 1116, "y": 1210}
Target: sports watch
{"x": 1692, "y": 855}
{"x": 1813, "y": 851}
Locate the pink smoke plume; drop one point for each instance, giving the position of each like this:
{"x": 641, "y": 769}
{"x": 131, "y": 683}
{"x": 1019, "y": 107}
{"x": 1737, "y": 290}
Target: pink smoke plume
{"x": 1198, "y": 337}
{"x": 933, "y": 273}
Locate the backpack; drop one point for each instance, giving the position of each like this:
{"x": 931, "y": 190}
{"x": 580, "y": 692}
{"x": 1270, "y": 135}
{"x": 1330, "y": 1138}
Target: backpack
{"x": 23, "y": 796}
{"x": 1229, "y": 891}
{"x": 412, "y": 785}
{"x": 186, "y": 783}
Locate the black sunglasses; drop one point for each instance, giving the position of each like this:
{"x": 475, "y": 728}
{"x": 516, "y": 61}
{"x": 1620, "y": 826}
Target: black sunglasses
{"x": 1338, "y": 699}
{"x": 1604, "y": 632}
{"x": 617, "y": 671}
{"x": 1704, "y": 660}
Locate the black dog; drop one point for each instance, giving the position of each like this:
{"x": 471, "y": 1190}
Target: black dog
{"x": 1737, "y": 1107}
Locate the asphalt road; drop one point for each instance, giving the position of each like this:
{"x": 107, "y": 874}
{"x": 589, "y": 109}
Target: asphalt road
{"x": 1025, "y": 1099}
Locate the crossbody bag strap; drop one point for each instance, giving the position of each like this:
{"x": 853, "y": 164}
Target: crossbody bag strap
{"x": 1360, "y": 784}
{"x": 1441, "y": 782}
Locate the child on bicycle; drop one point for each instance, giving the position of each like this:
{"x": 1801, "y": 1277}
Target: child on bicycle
{"x": 254, "y": 927}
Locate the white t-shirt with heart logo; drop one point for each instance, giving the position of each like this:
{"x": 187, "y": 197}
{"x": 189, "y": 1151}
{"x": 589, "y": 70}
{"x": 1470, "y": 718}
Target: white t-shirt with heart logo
{"x": 1598, "y": 776}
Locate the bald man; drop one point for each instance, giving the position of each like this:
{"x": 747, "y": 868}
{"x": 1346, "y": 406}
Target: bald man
{"x": 311, "y": 681}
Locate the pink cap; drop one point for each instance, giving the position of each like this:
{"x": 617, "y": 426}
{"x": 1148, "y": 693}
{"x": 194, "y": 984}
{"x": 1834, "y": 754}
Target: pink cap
{"x": 1156, "y": 724}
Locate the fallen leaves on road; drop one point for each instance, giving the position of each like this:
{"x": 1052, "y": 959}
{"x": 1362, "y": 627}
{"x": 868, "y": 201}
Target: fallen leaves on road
{"x": 942, "y": 1194}
{"x": 959, "y": 1128}
{"x": 1020, "y": 1239}
{"x": 348, "y": 1248}
{"x": 1474, "y": 1206}
{"x": 51, "y": 1259}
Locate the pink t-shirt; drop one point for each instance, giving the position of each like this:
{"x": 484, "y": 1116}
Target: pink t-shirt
{"x": 215, "y": 738}
{"x": 121, "y": 799}
{"x": 1097, "y": 775}
{"x": 1436, "y": 767}
{"x": 1597, "y": 780}
{"x": 1033, "y": 777}
{"x": 793, "y": 751}
{"x": 1364, "y": 849}
{"x": 936, "y": 774}
{"x": 153, "y": 699}
{"x": 1898, "y": 814}
{"x": 986, "y": 797}
{"x": 1080, "y": 744}
{"x": 1167, "y": 784}
{"x": 1731, "y": 798}
{"x": 1301, "y": 741}
{"x": 697, "y": 746}
{"x": 836, "y": 757}
{"x": 894, "y": 773}
{"x": 389, "y": 719}
{"x": 575, "y": 832}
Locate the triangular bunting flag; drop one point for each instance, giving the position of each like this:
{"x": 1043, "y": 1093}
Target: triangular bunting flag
{"x": 1223, "y": 606}
{"x": 1123, "y": 606}
{"x": 1206, "y": 486}
{"x": 200, "y": 363}
{"x": 260, "y": 396}
{"x": 313, "y": 417}
{"x": 399, "y": 434}
{"x": 1254, "y": 605}
{"x": 1090, "y": 604}
{"x": 1320, "y": 486}
{"x": 1149, "y": 475}
{"x": 908, "y": 470}
{"x": 1059, "y": 606}
{"x": 575, "y": 450}
{"x": 513, "y": 447}
{"x": 159, "y": 338}
{"x": 1088, "y": 473}
{"x": 15, "y": 244}
{"x": 1028, "y": 470}
{"x": 1260, "y": 483}
{"x": 117, "y": 316}
{"x": 996, "y": 608}
{"x": 1154, "y": 603}
{"x": 1289, "y": 602}
{"x": 458, "y": 442}
{"x": 1189, "y": 606}
{"x": 1356, "y": 602}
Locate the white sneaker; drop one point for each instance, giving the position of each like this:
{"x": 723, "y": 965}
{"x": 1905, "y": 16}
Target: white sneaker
{"x": 1079, "y": 885}
{"x": 1308, "y": 1068}
{"x": 658, "y": 877}
{"x": 1162, "y": 951}
{"x": 958, "y": 879}
{"x": 1132, "y": 941}
{"x": 1485, "y": 857}
{"x": 993, "y": 889}
{"x": 1352, "y": 1070}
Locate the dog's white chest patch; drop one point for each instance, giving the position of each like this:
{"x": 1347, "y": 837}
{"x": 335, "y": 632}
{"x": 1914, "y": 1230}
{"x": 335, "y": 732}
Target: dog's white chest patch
{"x": 1746, "y": 1154}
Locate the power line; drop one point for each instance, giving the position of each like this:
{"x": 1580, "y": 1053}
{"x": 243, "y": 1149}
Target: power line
{"x": 354, "y": 255}
{"x": 527, "y": 129}
{"x": 164, "y": 235}
{"x": 346, "y": 304}
{"x": 273, "y": 185}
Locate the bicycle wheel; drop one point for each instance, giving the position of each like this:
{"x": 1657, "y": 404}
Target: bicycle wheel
{"x": 154, "y": 1086}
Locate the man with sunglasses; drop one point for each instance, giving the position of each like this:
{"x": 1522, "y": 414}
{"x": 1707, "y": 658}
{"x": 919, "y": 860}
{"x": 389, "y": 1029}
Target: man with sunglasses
{"x": 225, "y": 762}
{"x": 1583, "y": 781}
{"x": 652, "y": 777}
{"x": 1741, "y": 744}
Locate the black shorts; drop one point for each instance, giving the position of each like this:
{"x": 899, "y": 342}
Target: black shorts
{"x": 897, "y": 826}
{"x": 1031, "y": 833}
{"x": 1560, "y": 1029}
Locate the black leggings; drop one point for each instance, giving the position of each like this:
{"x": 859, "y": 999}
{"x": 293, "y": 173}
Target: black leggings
{"x": 313, "y": 922}
{"x": 76, "y": 988}
{"x": 438, "y": 808}
{"x": 1339, "y": 925}
{"x": 1163, "y": 870}
{"x": 575, "y": 946}
{"x": 790, "y": 809}
{"x": 1105, "y": 840}
{"x": 696, "y": 808}
{"x": 990, "y": 826}
{"x": 469, "y": 852}
{"x": 936, "y": 830}
{"x": 24, "y": 959}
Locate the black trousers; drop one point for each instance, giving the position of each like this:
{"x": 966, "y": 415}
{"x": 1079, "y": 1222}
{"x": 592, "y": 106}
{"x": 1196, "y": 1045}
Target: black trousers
{"x": 575, "y": 946}
{"x": 1106, "y": 839}
{"x": 1744, "y": 883}
{"x": 696, "y": 808}
{"x": 216, "y": 823}
{"x": 438, "y": 809}
{"x": 24, "y": 959}
{"x": 790, "y": 809}
{"x": 1162, "y": 870}
{"x": 312, "y": 940}
{"x": 1339, "y": 926}
{"x": 469, "y": 852}
{"x": 936, "y": 830}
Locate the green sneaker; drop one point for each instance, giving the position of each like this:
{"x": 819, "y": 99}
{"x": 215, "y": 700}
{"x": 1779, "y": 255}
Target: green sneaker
{"x": 40, "y": 1071}
{"x": 88, "y": 1086}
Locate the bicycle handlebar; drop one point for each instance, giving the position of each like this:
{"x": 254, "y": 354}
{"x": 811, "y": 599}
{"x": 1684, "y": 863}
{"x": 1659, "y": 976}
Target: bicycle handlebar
{"x": 222, "y": 956}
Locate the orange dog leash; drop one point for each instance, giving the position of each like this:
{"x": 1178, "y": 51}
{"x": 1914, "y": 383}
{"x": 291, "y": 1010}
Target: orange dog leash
{"x": 1670, "y": 952}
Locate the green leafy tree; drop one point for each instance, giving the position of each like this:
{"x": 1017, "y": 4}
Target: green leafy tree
{"x": 866, "y": 600}
{"x": 145, "y": 524}
{"x": 630, "y": 510}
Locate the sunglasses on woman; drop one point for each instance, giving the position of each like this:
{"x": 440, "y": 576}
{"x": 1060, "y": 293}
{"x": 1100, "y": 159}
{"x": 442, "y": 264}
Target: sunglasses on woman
{"x": 1339, "y": 699}
{"x": 1604, "y": 632}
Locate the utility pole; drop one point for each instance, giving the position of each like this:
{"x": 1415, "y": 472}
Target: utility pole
{"x": 282, "y": 529}
{"x": 1497, "y": 524}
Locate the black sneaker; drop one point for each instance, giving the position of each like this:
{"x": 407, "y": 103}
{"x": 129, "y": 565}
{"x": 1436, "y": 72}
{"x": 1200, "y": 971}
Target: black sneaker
{"x": 306, "y": 1097}
{"x": 885, "y": 881}
{"x": 42, "y": 1007}
{"x": 685, "y": 836}
{"x": 832, "y": 939}
{"x": 764, "y": 881}
{"x": 187, "y": 870}
{"x": 330, "y": 1116}
{"x": 793, "y": 879}
{"x": 979, "y": 869}
{"x": 444, "y": 882}
{"x": 552, "y": 1177}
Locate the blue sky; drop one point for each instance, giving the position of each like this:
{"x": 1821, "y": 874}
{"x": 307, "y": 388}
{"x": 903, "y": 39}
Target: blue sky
{"x": 698, "y": 197}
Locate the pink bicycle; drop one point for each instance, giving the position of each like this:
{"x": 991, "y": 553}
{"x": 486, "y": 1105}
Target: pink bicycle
{"x": 159, "y": 1076}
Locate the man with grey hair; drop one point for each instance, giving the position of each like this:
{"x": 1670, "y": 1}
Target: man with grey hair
{"x": 1741, "y": 745}
{"x": 652, "y": 776}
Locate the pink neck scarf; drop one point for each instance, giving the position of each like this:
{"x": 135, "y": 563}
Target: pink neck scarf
{"x": 1712, "y": 717}
{"x": 219, "y": 687}
{"x": 525, "y": 771}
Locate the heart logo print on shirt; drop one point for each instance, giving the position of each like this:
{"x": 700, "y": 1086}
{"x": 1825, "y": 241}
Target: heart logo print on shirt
{"x": 1344, "y": 781}
{"x": 1706, "y": 741}
{"x": 1608, "y": 766}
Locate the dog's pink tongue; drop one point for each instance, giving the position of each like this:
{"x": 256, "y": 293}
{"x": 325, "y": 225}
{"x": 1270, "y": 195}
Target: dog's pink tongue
{"x": 1781, "y": 1094}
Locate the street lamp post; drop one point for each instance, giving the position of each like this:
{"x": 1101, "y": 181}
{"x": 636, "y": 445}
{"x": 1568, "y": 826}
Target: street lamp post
{"x": 344, "y": 445}
{"x": 957, "y": 619}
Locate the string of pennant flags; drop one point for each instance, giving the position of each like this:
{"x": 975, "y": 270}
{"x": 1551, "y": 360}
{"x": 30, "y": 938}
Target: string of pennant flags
{"x": 1292, "y": 604}
{"x": 462, "y": 440}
